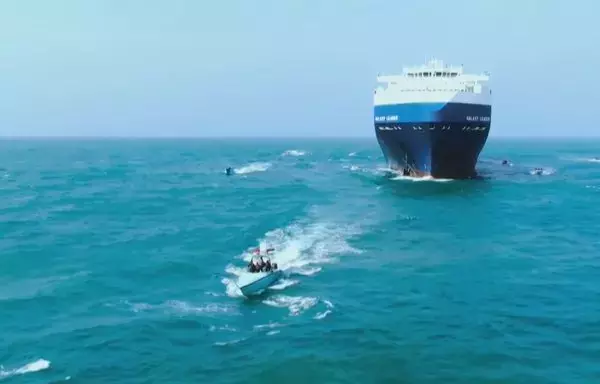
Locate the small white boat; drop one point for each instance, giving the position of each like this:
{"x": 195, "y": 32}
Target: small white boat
{"x": 254, "y": 283}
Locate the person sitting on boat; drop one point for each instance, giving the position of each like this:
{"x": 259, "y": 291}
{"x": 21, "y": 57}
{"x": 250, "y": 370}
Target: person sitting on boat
{"x": 252, "y": 267}
{"x": 266, "y": 264}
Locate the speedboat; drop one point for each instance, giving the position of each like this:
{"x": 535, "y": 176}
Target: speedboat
{"x": 254, "y": 283}
{"x": 537, "y": 171}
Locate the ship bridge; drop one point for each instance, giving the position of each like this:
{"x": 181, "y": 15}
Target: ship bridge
{"x": 434, "y": 69}
{"x": 433, "y": 81}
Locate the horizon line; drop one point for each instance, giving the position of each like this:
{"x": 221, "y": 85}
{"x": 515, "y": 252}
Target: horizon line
{"x": 258, "y": 137}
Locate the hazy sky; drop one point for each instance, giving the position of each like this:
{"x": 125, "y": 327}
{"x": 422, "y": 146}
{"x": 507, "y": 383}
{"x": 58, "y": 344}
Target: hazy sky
{"x": 284, "y": 67}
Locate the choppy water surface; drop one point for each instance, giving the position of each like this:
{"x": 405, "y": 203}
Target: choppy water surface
{"x": 118, "y": 261}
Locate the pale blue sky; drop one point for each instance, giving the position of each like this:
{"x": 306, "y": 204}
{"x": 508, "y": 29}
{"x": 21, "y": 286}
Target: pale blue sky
{"x": 284, "y": 67}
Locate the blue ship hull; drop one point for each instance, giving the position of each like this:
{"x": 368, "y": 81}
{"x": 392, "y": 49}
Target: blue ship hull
{"x": 442, "y": 140}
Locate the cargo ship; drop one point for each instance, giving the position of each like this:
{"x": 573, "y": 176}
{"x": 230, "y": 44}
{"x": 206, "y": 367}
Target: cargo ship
{"x": 433, "y": 120}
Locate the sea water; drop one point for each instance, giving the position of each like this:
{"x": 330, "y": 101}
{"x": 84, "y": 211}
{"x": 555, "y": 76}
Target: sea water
{"x": 118, "y": 262}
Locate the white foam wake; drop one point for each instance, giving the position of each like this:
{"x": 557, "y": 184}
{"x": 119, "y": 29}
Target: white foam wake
{"x": 591, "y": 160}
{"x": 295, "y": 304}
{"x": 302, "y": 247}
{"x": 423, "y": 178}
{"x": 293, "y": 152}
{"x": 36, "y": 366}
{"x": 351, "y": 167}
{"x": 299, "y": 304}
{"x": 400, "y": 177}
{"x": 180, "y": 307}
{"x": 583, "y": 159}
{"x": 231, "y": 342}
{"x": 299, "y": 249}
{"x": 253, "y": 167}
{"x": 322, "y": 315}
{"x": 283, "y": 284}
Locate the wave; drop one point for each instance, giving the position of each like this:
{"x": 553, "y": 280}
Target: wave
{"x": 419, "y": 179}
{"x": 267, "y": 326}
{"x": 351, "y": 167}
{"x": 397, "y": 176}
{"x": 583, "y": 159}
{"x": 226, "y": 327}
{"x": 295, "y": 304}
{"x": 252, "y": 167}
{"x": 283, "y": 284}
{"x": 589, "y": 159}
{"x": 293, "y": 152}
{"x": 322, "y": 315}
{"x": 231, "y": 342}
{"x": 180, "y": 307}
{"x": 36, "y": 366}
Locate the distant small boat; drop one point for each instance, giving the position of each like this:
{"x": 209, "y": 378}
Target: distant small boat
{"x": 229, "y": 171}
{"x": 255, "y": 283}
{"x": 537, "y": 171}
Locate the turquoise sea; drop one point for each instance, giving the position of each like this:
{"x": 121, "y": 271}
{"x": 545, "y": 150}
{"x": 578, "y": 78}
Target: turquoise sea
{"x": 117, "y": 262}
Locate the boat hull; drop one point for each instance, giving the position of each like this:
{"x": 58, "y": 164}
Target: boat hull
{"x": 263, "y": 281}
{"x": 441, "y": 140}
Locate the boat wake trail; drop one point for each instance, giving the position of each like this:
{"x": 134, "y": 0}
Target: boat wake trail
{"x": 301, "y": 249}
{"x": 583, "y": 159}
{"x": 424, "y": 178}
{"x": 36, "y": 366}
{"x": 252, "y": 167}
{"x": 394, "y": 175}
{"x": 293, "y": 152}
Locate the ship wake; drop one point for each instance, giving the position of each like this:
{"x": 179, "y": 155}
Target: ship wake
{"x": 301, "y": 249}
{"x": 252, "y": 168}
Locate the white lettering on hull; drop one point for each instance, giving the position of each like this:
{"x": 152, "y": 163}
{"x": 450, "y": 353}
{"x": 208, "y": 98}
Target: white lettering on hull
{"x": 386, "y": 118}
{"x": 478, "y": 118}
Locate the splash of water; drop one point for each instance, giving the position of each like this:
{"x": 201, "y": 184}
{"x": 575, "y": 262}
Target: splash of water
{"x": 36, "y": 366}
{"x": 293, "y": 152}
{"x": 300, "y": 249}
{"x": 252, "y": 167}
{"x": 421, "y": 179}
